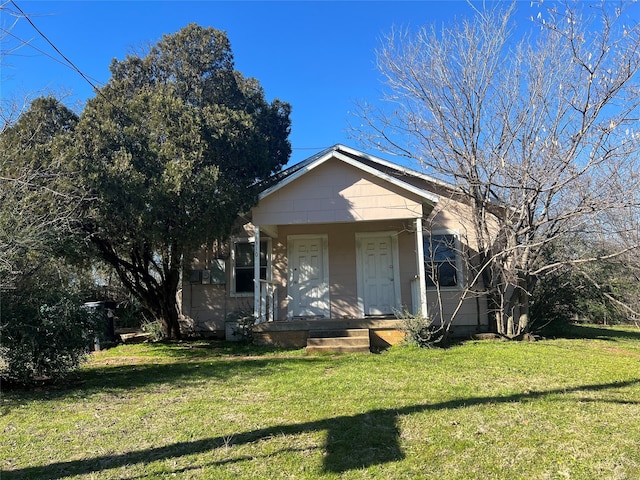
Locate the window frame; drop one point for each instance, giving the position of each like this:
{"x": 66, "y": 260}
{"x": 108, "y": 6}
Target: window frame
{"x": 266, "y": 243}
{"x": 457, "y": 263}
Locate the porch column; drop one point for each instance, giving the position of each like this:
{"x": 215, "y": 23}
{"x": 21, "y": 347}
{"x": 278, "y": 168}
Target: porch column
{"x": 422, "y": 286}
{"x": 257, "y": 314}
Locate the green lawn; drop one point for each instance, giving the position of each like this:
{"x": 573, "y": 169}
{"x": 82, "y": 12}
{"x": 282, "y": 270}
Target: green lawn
{"x": 553, "y": 409}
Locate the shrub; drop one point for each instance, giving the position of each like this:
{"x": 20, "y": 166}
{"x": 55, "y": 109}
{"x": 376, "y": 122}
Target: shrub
{"x": 420, "y": 330}
{"x": 153, "y": 328}
{"x": 244, "y": 322}
{"x": 566, "y": 296}
{"x": 130, "y": 313}
{"x": 43, "y": 337}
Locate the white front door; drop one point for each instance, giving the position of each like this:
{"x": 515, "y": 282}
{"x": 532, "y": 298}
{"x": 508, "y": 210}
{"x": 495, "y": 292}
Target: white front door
{"x": 378, "y": 287}
{"x": 308, "y": 276}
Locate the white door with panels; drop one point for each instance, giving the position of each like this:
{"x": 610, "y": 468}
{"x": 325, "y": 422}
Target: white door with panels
{"x": 308, "y": 276}
{"x": 377, "y": 264}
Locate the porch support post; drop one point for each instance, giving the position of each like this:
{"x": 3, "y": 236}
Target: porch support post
{"x": 422, "y": 284}
{"x": 257, "y": 313}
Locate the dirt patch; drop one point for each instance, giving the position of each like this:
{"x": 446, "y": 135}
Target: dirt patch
{"x": 622, "y": 351}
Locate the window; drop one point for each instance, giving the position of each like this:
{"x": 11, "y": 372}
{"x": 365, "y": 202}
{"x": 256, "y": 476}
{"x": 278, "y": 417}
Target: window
{"x": 243, "y": 272}
{"x": 441, "y": 260}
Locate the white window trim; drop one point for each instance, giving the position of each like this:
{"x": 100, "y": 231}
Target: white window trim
{"x": 232, "y": 264}
{"x": 458, "y": 251}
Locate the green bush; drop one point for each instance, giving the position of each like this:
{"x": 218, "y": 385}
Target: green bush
{"x": 130, "y": 313}
{"x": 153, "y": 328}
{"x": 244, "y": 322}
{"x": 420, "y": 330}
{"x": 566, "y": 296}
{"x": 43, "y": 336}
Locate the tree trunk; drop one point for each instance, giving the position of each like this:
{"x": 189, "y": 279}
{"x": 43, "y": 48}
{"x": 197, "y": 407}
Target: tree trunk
{"x": 168, "y": 305}
{"x": 496, "y": 323}
{"x": 524, "y": 319}
{"x": 169, "y": 319}
{"x": 155, "y": 284}
{"x": 510, "y": 324}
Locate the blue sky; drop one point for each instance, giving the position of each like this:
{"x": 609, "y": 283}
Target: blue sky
{"x": 318, "y": 56}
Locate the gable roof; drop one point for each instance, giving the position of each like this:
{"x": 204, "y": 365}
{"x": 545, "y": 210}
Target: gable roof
{"x": 382, "y": 169}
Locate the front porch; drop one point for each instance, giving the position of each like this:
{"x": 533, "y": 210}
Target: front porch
{"x": 383, "y": 332}
{"x": 358, "y": 270}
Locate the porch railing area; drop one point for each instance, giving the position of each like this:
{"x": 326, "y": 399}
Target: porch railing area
{"x": 268, "y": 302}
{"x": 416, "y": 295}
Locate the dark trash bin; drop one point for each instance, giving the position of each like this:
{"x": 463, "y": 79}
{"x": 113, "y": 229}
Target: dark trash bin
{"x": 103, "y": 313}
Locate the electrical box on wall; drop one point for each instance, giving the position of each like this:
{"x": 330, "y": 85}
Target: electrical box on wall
{"x": 217, "y": 275}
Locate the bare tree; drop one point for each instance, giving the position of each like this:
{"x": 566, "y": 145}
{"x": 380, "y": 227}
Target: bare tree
{"x": 10, "y": 107}
{"x": 537, "y": 133}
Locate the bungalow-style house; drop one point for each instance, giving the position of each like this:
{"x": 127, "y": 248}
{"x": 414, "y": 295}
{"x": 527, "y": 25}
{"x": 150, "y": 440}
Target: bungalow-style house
{"x": 342, "y": 242}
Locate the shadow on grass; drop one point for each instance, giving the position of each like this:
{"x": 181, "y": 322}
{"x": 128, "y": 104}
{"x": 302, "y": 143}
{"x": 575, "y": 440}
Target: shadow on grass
{"x": 596, "y": 332}
{"x": 122, "y": 378}
{"x": 193, "y": 349}
{"x": 353, "y": 441}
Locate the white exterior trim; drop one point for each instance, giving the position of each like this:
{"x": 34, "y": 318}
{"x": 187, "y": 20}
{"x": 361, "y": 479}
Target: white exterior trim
{"x": 399, "y": 168}
{"x": 256, "y": 275}
{"x": 256, "y": 257}
{"x": 422, "y": 284}
{"x": 458, "y": 252}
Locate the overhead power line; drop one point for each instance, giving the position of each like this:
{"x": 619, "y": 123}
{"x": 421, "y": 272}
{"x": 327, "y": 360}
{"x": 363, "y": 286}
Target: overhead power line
{"x": 27, "y": 43}
{"x": 69, "y": 62}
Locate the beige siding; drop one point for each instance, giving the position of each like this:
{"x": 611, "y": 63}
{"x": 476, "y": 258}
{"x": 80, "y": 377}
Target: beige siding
{"x": 450, "y": 215}
{"x": 209, "y": 305}
{"x": 343, "y": 275}
{"x": 206, "y": 308}
{"x": 471, "y": 314}
{"x": 336, "y": 192}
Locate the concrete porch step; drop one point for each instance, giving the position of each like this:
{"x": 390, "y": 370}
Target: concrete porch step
{"x": 340, "y": 333}
{"x": 337, "y": 349}
{"x": 339, "y": 341}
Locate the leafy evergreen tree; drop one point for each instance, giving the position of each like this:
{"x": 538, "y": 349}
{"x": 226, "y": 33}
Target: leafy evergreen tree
{"x": 605, "y": 290}
{"x": 171, "y": 149}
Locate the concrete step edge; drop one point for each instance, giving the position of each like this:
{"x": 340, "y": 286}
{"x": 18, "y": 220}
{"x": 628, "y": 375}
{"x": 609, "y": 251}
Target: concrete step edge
{"x": 339, "y": 341}
{"x": 318, "y": 349}
{"x": 349, "y": 332}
